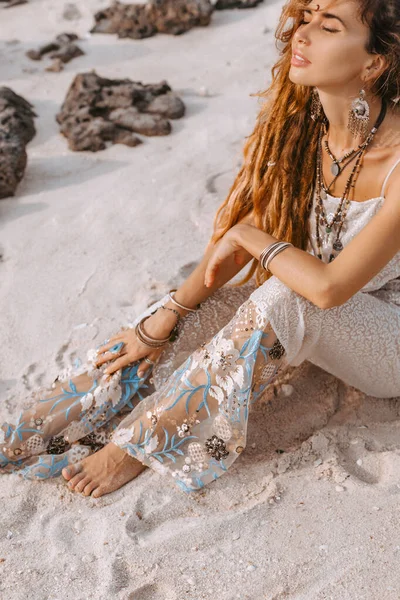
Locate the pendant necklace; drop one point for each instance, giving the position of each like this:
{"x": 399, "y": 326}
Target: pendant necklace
{"x": 338, "y": 218}
{"x": 336, "y": 169}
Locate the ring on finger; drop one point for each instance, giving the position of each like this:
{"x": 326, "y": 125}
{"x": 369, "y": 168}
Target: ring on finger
{"x": 149, "y": 361}
{"x": 116, "y": 349}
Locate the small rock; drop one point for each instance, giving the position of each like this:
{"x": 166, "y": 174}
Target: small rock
{"x": 61, "y": 50}
{"x": 376, "y": 508}
{"x": 9, "y": 535}
{"x": 236, "y": 536}
{"x": 71, "y": 12}
{"x": 339, "y": 488}
{"x": 359, "y": 462}
{"x": 287, "y": 390}
{"x": 122, "y": 514}
{"x": 251, "y": 568}
{"x": 317, "y": 462}
{"x": 323, "y": 547}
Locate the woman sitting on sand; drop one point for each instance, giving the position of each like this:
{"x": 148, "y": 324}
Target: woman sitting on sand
{"x": 316, "y": 207}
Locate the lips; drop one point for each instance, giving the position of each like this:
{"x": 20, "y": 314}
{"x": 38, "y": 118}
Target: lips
{"x": 297, "y": 55}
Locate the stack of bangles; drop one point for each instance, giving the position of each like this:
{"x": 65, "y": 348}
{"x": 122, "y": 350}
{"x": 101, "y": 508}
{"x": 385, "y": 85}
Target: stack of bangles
{"x": 152, "y": 342}
{"x": 270, "y": 252}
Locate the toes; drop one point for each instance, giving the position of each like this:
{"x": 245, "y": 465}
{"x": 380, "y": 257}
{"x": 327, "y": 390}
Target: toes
{"x": 70, "y": 471}
{"x": 75, "y": 480}
{"x": 99, "y": 491}
{"x": 89, "y": 488}
{"x": 83, "y": 482}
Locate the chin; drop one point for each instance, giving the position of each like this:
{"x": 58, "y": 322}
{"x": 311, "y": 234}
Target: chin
{"x": 299, "y": 77}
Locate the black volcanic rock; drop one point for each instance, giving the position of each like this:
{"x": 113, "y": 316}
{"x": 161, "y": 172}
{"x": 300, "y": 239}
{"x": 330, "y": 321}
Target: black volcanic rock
{"x": 61, "y": 51}
{"x": 17, "y": 128}
{"x": 139, "y": 21}
{"x": 98, "y": 110}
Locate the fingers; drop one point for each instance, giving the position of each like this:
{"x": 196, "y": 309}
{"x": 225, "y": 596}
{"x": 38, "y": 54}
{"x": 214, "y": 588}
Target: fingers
{"x": 117, "y": 364}
{"x": 145, "y": 366}
{"x": 108, "y": 356}
{"x": 111, "y": 342}
{"x": 210, "y": 273}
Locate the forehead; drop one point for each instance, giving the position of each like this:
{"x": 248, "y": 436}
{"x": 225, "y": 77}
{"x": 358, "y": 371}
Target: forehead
{"x": 345, "y": 9}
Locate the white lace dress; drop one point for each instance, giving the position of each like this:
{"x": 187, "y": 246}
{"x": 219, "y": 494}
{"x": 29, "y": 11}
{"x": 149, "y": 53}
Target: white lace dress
{"x": 188, "y": 419}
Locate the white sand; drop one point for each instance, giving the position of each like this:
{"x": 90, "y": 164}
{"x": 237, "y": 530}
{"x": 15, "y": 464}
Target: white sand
{"x": 88, "y": 241}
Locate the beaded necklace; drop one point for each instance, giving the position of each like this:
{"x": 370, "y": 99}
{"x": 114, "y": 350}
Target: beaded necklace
{"x": 339, "y": 217}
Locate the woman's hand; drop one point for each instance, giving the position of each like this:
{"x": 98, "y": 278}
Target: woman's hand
{"x": 158, "y": 326}
{"x": 229, "y": 244}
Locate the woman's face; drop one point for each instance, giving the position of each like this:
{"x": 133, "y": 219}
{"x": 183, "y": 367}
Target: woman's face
{"x": 334, "y": 47}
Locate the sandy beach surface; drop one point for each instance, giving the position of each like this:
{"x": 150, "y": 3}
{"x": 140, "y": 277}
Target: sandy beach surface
{"x": 311, "y": 509}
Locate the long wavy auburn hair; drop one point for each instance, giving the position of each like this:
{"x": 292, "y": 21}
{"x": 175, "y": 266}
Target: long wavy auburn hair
{"x": 276, "y": 179}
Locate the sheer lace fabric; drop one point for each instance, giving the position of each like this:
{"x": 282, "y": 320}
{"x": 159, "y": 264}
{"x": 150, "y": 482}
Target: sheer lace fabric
{"x": 191, "y": 424}
{"x": 188, "y": 419}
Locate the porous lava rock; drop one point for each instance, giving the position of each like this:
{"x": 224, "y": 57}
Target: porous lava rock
{"x": 224, "y": 4}
{"x": 98, "y": 110}
{"x": 139, "y": 21}
{"x": 61, "y": 51}
{"x": 17, "y": 128}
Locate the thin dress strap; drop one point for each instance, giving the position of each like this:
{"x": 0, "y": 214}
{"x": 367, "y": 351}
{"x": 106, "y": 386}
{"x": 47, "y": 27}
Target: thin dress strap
{"x": 387, "y": 177}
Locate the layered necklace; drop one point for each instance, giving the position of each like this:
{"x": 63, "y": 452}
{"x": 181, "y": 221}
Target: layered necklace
{"x": 339, "y": 217}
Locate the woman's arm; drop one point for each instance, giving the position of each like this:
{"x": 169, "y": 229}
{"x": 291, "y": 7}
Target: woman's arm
{"x": 160, "y": 324}
{"x": 193, "y": 291}
{"x": 299, "y": 270}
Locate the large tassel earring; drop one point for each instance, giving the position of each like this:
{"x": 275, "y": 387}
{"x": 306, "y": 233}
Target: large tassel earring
{"x": 316, "y": 106}
{"x": 358, "y": 122}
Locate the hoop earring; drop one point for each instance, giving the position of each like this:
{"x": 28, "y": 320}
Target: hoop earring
{"x": 316, "y": 106}
{"x": 358, "y": 122}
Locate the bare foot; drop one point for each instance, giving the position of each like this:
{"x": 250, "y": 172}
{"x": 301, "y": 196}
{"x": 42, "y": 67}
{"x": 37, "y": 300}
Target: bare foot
{"x": 103, "y": 472}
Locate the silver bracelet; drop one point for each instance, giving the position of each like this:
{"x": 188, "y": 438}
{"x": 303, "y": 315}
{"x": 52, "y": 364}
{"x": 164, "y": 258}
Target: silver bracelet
{"x": 275, "y": 253}
{"x": 267, "y": 251}
{"x": 177, "y": 303}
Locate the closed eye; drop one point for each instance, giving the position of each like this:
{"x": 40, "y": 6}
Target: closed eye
{"x": 324, "y": 28}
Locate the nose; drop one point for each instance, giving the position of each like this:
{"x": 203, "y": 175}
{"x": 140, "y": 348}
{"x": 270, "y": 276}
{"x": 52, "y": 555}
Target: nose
{"x": 300, "y": 37}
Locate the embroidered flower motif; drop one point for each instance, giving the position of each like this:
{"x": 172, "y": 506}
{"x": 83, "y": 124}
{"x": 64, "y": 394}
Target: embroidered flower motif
{"x": 35, "y": 444}
{"x": 216, "y": 447}
{"x": 217, "y": 393}
{"x": 277, "y": 350}
{"x": 108, "y": 390}
{"x": 87, "y": 401}
{"x": 36, "y": 422}
{"x": 220, "y": 354}
{"x": 94, "y": 440}
{"x": 122, "y": 436}
{"x": 153, "y": 418}
{"x": 151, "y": 444}
{"x": 56, "y": 445}
{"x": 221, "y": 427}
{"x": 183, "y": 430}
{"x": 92, "y": 355}
{"x": 196, "y": 452}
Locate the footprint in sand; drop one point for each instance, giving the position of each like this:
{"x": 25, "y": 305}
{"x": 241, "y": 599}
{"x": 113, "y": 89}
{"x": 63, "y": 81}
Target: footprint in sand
{"x": 151, "y": 592}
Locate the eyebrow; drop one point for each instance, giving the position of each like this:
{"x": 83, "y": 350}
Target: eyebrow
{"x": 326, "y": 15}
